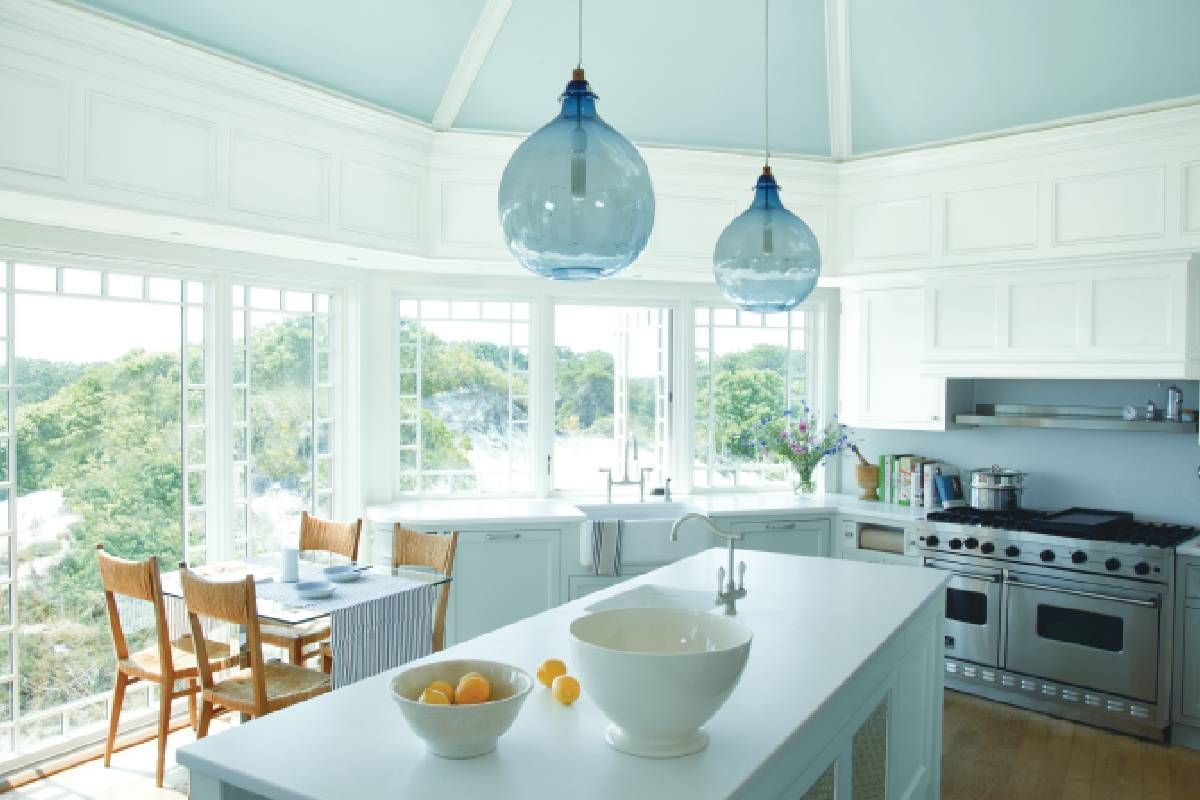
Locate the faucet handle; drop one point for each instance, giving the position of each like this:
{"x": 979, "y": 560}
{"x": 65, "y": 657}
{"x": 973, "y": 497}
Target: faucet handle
{"x": 741, "y": 575}
{"x": 720, "y": 583}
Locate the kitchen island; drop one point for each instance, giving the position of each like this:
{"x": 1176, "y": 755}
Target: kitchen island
{"x": 843, "y": 687}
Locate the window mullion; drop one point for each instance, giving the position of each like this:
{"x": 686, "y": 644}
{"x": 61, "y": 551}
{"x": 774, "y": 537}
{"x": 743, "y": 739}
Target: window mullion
{"x": 219, "y": 418}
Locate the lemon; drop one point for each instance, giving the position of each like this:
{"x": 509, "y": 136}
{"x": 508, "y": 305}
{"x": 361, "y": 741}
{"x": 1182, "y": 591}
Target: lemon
{"x": 434, "y": 697}
{"x": 550, "y": 669}
{"x": 473, "y": 688}
{"x": 565, "y": 689}
{"x": 444, "y": 688}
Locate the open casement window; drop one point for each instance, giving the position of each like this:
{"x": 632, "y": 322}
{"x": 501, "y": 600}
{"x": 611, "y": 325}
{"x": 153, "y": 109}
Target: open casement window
{"x": 612, "y": 389}
{"x": 463, "y": 395}
{"x": 283, "y": 426}
{"x": 747, "y": 367}
{"x": 105, "y": 402}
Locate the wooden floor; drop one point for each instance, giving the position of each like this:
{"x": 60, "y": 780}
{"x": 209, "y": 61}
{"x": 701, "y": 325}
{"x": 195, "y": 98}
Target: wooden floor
{"x": 996, "y": 751}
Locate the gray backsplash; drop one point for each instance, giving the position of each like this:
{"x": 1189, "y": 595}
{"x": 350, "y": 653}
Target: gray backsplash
{"x": 1150, "y": 474}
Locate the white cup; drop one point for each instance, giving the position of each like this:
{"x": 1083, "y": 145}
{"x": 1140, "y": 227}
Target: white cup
{"x": 289, "y": 571}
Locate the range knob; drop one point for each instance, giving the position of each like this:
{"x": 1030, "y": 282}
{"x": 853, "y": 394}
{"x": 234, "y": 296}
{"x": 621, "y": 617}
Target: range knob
{"x": 1078, "y": 557}
{"x": 1141, "y": 568}
{"x": 1112, "y": 565}
{"x": 1047, "y": 555}
{"x": 931, "y": 541}
{"x": 955, "y": 544}
{"x": 987, "y": 548}
{"x": 971, "y": 543}
{"x": 1012, "y": 551}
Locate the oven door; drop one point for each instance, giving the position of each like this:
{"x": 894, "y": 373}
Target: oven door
{"x": 972, "y": 631}
{"x": 1087, "y": 635}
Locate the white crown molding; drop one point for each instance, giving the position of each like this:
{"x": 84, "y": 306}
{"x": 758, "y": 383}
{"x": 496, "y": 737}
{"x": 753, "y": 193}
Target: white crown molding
{"x": 837, "y": 83}
{"x": 470, "y": 61}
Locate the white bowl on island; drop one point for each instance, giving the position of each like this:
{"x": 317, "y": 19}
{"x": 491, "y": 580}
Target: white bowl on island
{"x": 466, "y": 731}
{"x": 659, "y": 674}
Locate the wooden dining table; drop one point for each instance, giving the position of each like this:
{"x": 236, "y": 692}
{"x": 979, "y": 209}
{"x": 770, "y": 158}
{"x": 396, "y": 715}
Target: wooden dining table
{"x": 379, "y": 621}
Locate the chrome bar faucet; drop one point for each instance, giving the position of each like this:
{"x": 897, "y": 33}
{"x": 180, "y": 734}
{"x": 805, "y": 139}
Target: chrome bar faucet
{"x": 625, "y": 481}
{"x": 727, "y": 593}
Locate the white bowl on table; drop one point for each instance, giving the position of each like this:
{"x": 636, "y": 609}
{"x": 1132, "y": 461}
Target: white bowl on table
{"x": 314, "y": 590}
{"x": 659, "y": 674}
{"x": 342, "y": 573}
{"x": 466, "y": 731}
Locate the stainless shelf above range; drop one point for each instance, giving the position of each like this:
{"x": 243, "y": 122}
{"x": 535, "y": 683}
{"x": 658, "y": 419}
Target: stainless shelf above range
{"x": 1088, "y": 418}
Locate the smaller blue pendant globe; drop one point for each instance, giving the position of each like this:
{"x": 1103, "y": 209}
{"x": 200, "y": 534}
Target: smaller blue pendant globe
{"x": 767, "y": 260}
{"x": 576, "y": 201}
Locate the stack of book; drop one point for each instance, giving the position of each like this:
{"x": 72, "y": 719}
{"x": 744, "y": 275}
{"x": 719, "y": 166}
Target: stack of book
{"x": 910, "y": 480}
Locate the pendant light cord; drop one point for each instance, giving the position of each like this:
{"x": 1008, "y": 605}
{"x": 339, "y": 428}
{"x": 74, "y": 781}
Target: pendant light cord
{"x": 766, "y": 82}
{"x": 580, "y": 64}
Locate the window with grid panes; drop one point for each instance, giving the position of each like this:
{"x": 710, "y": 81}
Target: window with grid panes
{"x": 104, "y": 426}
{"x": 463, "y": 395}
{"x": 283, "y": 424}
{"x": 747, "y": 367}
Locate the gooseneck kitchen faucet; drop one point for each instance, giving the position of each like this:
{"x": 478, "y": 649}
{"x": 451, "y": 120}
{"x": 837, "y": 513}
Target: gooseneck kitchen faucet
{"x": 727, "y": 593}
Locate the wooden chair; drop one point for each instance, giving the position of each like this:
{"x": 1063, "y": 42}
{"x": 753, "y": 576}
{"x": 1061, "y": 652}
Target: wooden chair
{"x": 164, "y": 663}
{"x": 434, "y": 550}
{"x": 340, "y": 538}
{"x": 263, "y": 687}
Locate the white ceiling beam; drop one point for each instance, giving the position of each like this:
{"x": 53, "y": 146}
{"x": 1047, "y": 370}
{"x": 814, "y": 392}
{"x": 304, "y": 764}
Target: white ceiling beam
{"x": 470, "y": 61}
{"x": 837, "y": 67}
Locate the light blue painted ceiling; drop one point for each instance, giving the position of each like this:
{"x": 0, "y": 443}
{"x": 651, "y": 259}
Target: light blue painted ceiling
{"x": 940, "y": 69}
{"x": 677, "y": 72}
{"x": 394, "y": 54}
{"x": 689, "y": 72}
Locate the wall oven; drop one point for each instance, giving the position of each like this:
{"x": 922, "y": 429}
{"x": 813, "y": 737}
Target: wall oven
{"x": 973, "y": 612}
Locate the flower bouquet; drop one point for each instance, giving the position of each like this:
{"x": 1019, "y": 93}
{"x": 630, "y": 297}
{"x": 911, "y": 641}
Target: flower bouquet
{"x": 798, "y": 438}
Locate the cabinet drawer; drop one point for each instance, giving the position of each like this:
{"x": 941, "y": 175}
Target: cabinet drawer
{"x": 1192, "y": 580}
{"x": 780, "y": 526}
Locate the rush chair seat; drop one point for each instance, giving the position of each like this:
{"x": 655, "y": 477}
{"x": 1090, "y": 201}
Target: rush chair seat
{"x": 340, "y": 538}
{"x": 263, "y": 687}
{"x": 165, "y": 663}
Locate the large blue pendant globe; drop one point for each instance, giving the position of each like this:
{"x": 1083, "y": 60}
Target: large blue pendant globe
{"x": 767, "y": 260}
{"x": 576, "y": 201}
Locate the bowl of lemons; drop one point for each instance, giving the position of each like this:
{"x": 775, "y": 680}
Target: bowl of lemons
{"x": 461, "y": 707}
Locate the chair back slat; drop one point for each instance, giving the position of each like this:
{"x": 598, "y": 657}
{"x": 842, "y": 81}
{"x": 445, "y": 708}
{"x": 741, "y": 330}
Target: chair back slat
{"x": 139, "y": 580}
{"x": 332, "y": 537}
{"x": 435, "y": 550}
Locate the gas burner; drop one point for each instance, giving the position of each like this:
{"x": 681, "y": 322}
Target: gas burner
{"x": 1115, "y": 527}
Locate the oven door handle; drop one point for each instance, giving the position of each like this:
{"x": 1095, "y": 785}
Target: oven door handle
{"x": 1077, "y": 593}
{"x": 975, "y": 576}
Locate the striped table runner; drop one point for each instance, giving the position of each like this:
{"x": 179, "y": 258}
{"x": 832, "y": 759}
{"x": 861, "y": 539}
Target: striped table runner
{"x": 381, "y": 634}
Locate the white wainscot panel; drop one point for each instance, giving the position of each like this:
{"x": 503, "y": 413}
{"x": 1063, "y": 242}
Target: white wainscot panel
{"x": 1043, "y": 314}
{"x": 1191, "y": 197}
{"x": 964, "y": 317}
{"x": 1111, "y": 205}
{"x": 148, "y": 149}
{"x": 1132, "y": 312}
{"x": 891, "y": 229}
{"x": 34, "y": 123}
{"x": 278, "y": 179}
{"x": 995, "y": 218}
{"x": 689, "y": 226}
{"x": 379, "y": 201}
{"x": 468, "y": 216}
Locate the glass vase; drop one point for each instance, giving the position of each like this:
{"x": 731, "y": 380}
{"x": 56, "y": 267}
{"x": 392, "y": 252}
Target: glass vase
{"x": 803, "y": 482}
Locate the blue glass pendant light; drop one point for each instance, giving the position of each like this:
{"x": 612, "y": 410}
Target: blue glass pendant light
{"x": 576, "y": 201}
{"x": 767, "y": 260}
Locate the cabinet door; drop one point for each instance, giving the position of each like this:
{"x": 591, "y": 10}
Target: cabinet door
{"x": 790, "y": 536}
{"x": 880, "y": 380}
{"x": 501, "y": 577}
{"x": 1190, "y": 679}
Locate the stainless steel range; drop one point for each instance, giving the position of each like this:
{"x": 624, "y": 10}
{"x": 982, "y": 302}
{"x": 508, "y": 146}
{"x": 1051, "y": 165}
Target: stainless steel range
{"x": 1066, "y": 612}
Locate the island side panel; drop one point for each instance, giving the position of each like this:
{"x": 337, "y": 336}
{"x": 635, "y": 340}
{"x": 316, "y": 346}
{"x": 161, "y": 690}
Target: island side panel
{"x": 890, "y": 713}
{"x": 206, "y": 787}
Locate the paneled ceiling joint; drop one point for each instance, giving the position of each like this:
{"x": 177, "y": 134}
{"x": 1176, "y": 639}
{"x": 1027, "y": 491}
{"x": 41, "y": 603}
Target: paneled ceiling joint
{"x": 470, "y": 61}
{"x": 837, "y": 67}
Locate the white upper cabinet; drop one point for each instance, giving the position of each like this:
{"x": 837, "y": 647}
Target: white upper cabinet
{"x": 881, "y": 383}
{"x": 1136, "y": 319}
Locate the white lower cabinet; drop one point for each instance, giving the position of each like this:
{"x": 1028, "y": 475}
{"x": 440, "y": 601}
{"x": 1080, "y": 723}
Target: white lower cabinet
{"x": 1189, "y": 678}
{"x": 582, "y": 585}
{"x": 797, "y": 537}
{"x": 501, "y": 577}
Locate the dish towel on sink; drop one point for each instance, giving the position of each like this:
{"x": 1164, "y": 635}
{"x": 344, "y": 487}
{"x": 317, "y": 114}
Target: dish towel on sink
{"x": 606, "y": 546}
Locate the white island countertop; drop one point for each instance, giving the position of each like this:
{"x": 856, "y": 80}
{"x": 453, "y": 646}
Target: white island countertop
{"x": 822, "y": 629}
